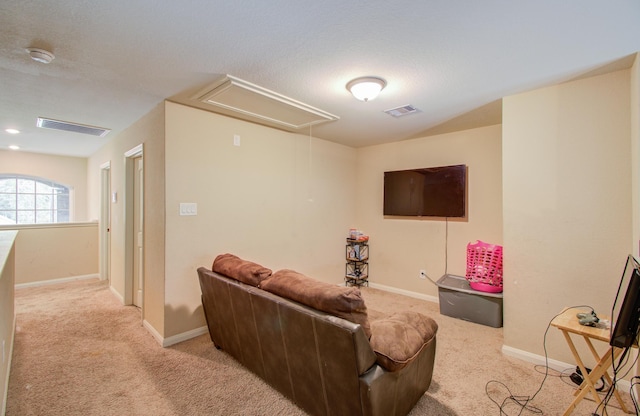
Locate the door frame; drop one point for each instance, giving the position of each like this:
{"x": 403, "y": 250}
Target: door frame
{"x": 105, "y": 221}
{"x": 130, "y": 235}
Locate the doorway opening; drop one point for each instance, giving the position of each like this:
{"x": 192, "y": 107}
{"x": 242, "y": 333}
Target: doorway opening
{"x": 134, "y": 228}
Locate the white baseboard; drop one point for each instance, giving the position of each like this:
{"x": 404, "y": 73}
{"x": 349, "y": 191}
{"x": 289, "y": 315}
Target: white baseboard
{"x": 56, "y": 281}
{"x": 554, "y": 364}
{"x": 404, "y": 292}
{"x": 535, "y": 358}
{"x": 185, "y": 336}
{"x": 153, "y": 331}
{"x": 175, "y": 339}
{"x": 116, "y": 294}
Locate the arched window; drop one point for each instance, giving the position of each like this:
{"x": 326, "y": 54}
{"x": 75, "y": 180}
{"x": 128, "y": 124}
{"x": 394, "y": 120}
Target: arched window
{"x": 30, "y": 200}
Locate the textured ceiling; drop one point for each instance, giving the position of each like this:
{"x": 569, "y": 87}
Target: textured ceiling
{"x": 117, "y": 59}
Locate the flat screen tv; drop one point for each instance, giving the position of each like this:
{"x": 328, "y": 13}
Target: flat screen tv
{"x": 427, "y": 192}
{"x": 626, "y": 306}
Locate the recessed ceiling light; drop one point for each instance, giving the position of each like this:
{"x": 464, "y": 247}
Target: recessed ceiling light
{"x": 12, "y": 131}
{"x": 14, "y": 147}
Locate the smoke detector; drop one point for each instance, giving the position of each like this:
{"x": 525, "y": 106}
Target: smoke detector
{"x": 40, "y": 55}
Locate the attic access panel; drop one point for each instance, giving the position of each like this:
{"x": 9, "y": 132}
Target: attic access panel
{"x": 243, "y": 98}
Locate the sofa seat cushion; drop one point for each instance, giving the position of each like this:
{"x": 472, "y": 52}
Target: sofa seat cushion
{"x": 242, "y": 270}
{"x": 399, "y": 338}
{"x": 341, "y": 301}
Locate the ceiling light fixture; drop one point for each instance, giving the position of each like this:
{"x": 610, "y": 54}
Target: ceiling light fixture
{"x": 12, "y": 131}
{"x": 40, "y": 55}
{"x": 366, "y": 88}
{"x": 14, "y": 147}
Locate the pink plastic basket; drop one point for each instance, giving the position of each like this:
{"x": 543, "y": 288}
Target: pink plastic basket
{"x": 484, "y": 267}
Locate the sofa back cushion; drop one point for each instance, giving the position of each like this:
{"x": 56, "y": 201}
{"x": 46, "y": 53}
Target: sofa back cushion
{"x": 242, "y": 270}
{"x": 344, "y": 302}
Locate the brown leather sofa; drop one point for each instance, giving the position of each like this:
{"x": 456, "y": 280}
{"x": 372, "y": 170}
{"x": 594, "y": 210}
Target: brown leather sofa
{"x": 325, "y": 364}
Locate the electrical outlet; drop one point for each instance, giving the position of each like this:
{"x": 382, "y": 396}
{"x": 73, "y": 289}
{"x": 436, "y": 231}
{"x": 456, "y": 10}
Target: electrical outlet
{"x": 188, "y": 208}
{"x": 423, "y": 274}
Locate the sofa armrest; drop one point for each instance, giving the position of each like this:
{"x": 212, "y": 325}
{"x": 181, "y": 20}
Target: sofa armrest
{"x": 386, "y": 393}
{"x": 399, "y": 338}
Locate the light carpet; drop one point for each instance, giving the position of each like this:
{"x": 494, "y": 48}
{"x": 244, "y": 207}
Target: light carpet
{"x": 79, "y": 352}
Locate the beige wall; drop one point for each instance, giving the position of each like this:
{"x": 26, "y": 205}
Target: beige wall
{"x": 7, "y": 310}
{"x": 401, "y": 247}
{"x": 272, "y": 200}
{"x": 635, "y": 140}
{"x": 635, "y": 151}
{"x": 148, "y": 131}
{"x": 544, "y": 184}
{"x": 567, "y": 192}
{"x": 69, "y": 171}
{"x": 56, "y": 251}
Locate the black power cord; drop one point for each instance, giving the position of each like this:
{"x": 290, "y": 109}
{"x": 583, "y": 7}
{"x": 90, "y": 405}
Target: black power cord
{"x": 635, "y": 381}
{"x": 524, "y": 402}
{"x": 577, "y": 378}
{"x": 623, "y": 360}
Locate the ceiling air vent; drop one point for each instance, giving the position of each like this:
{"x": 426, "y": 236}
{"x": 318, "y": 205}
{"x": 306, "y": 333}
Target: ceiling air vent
{"x": 242, "y": 99}
{"x": 402, "y": 111}
{"x": 47, "y": 123}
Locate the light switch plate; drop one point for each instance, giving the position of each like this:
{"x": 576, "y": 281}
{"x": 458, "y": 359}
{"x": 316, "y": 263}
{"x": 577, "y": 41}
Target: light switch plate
{"x": 188, "y": 208}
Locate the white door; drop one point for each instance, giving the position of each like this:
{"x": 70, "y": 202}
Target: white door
{"x": 138, "y": 227}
